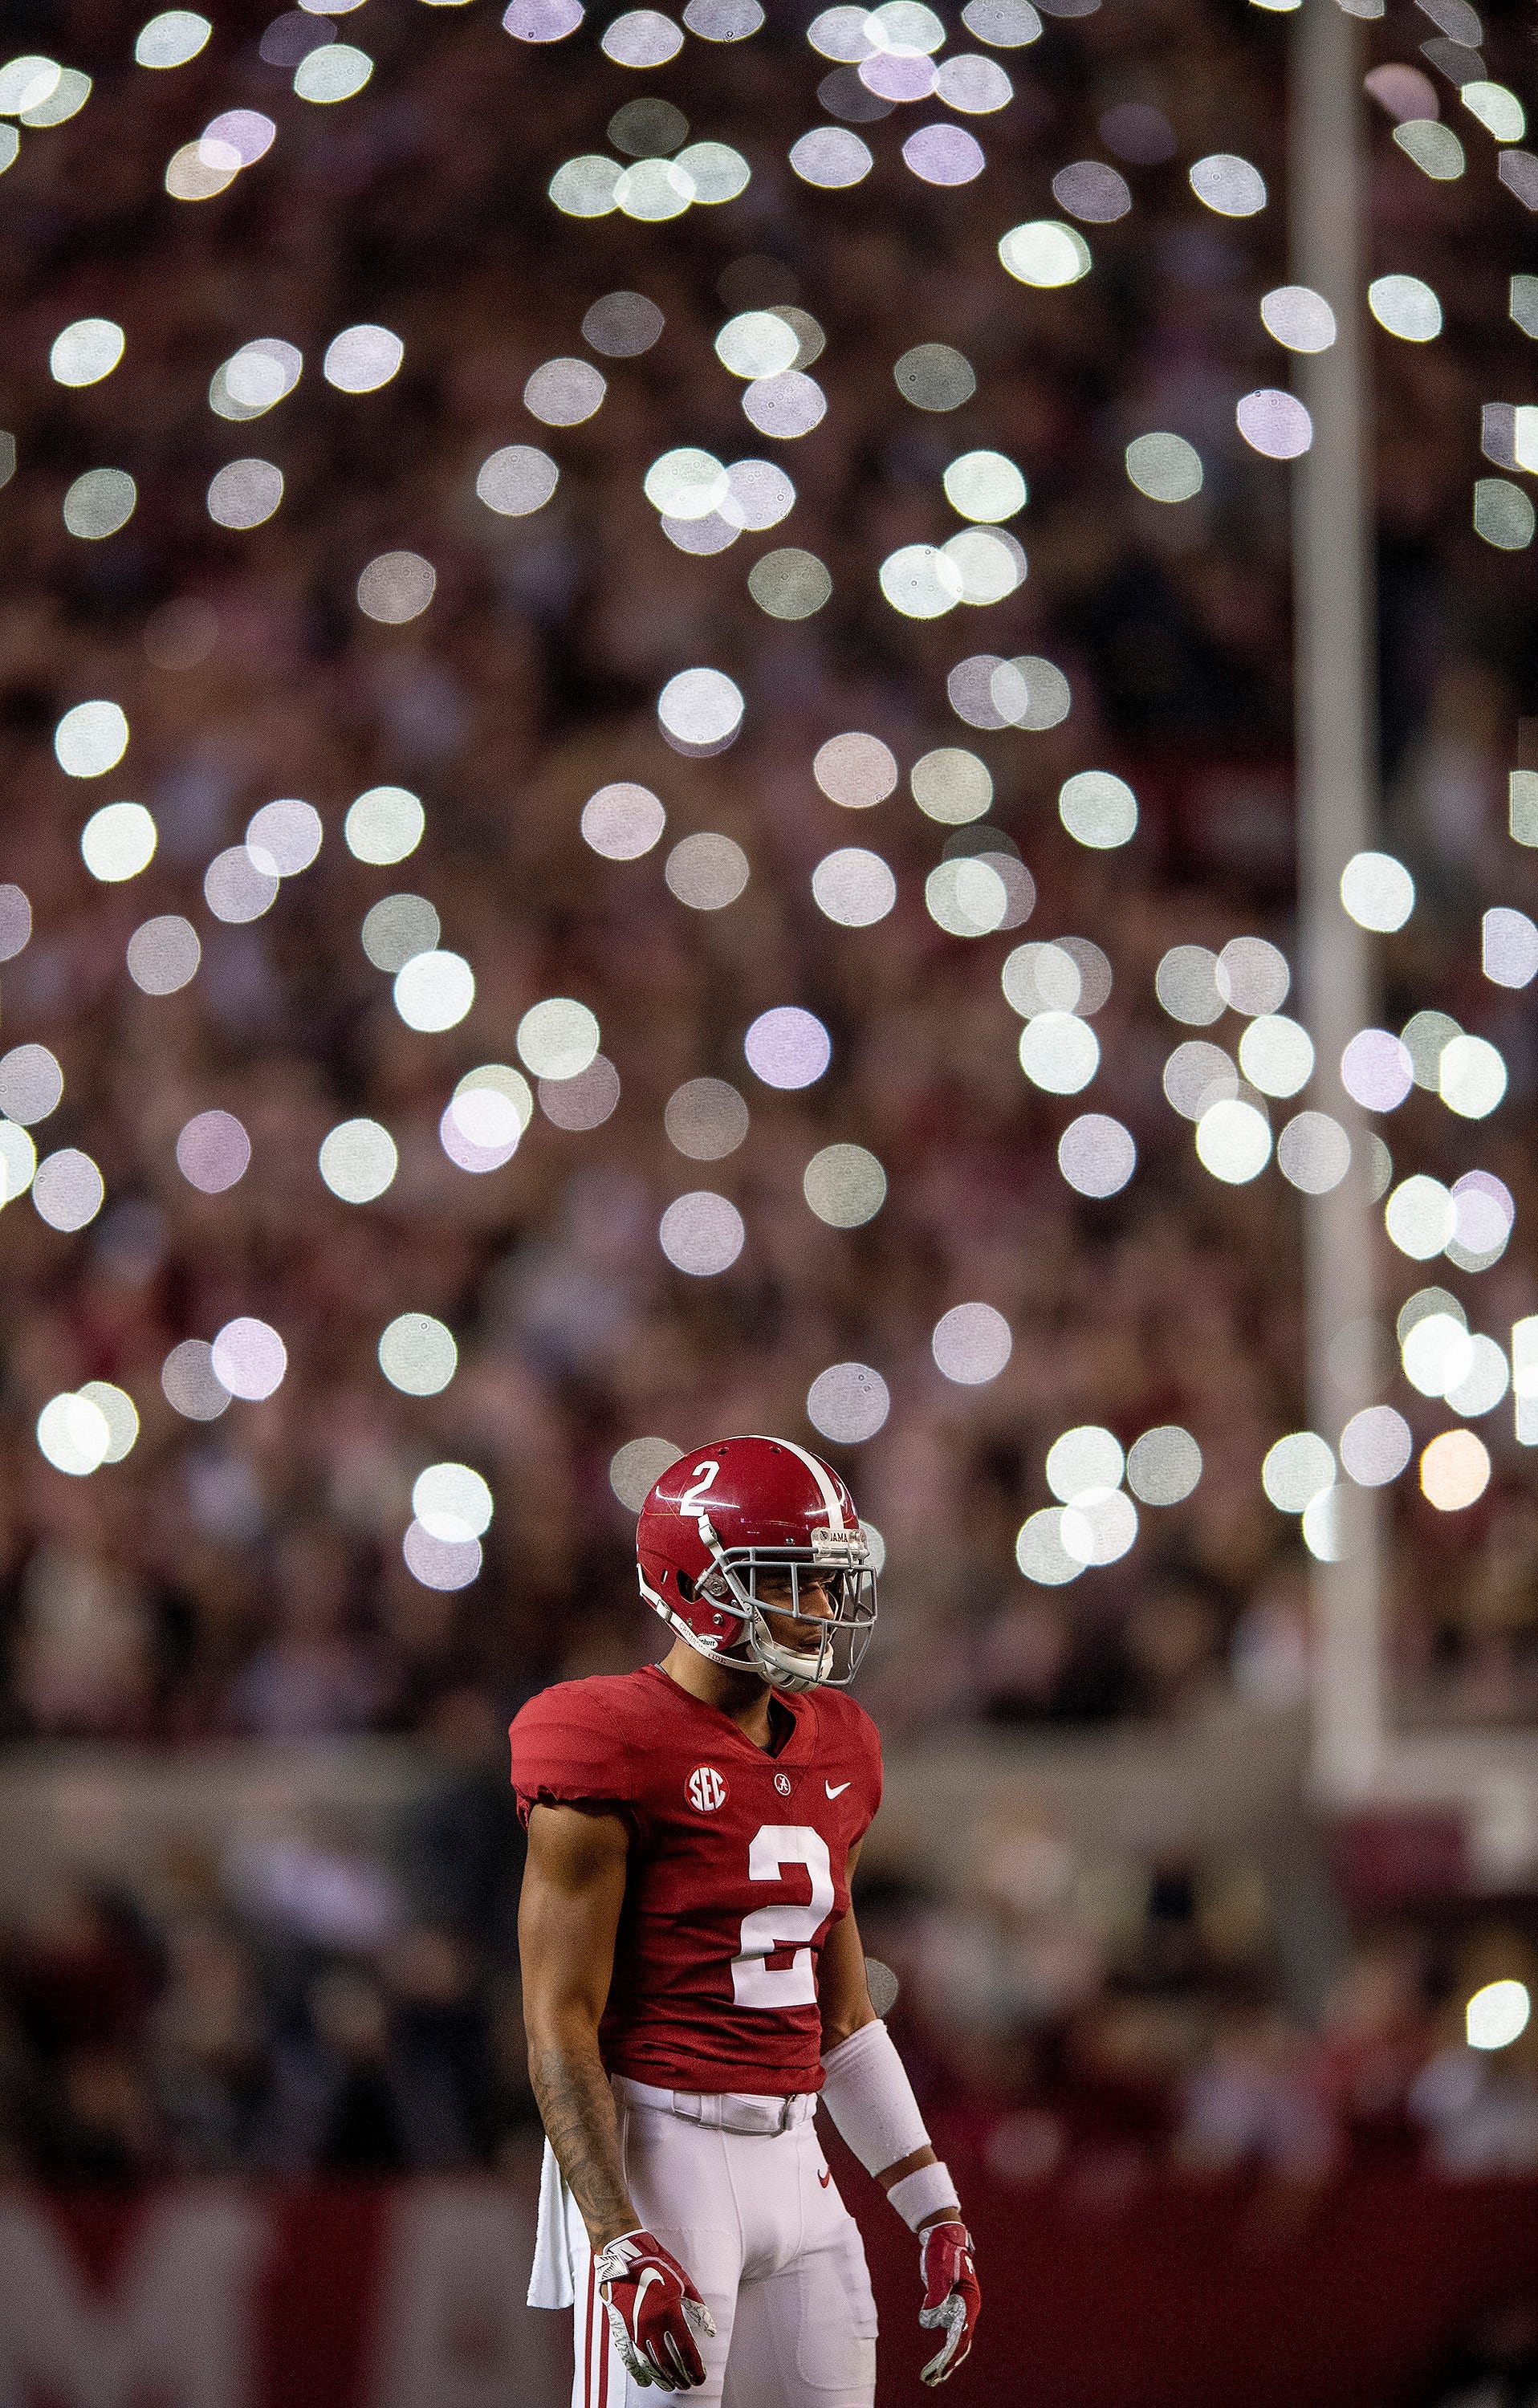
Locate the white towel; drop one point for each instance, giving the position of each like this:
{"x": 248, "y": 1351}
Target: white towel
{"x": 560, "y": 2241}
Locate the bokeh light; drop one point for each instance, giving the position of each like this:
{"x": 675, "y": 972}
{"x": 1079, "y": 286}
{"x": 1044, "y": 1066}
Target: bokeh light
{"x": 1164, "y": 1464}
{"x": 1276, "y": 1054}
{"x": 558, "y": 1037}
{"x": 848, "y": 1403}
{"x": 701, "y": 1233}
{"x": 1060, "y": 1053}
{"x": 1375, "y": 1446}
{"x": 972, "y": 1344}
{"x": 635, "y": 1469}
{"x": 787, "y": 1047}
{"x": 100, "y": 503}
{"x": 1313, "y": 1153}
{"x": 1040, "y": 1551}
{"x": 1252, "y": 976}
{"x": 163, "y": 954}
{"x": 1228, "y": 185}
{"x": 1299, "y": 319}
{"x": 437, "y": 1563}
{"x": 358, "y": 1161}
{"x": 396, "y": 587}
{"x": 951, "y": 785}
{"x": 855, "y": 770}
{"x": 623, "y": 822}
{"x": 1099, "y": 810}
{"x": 418, "y": 1355}
{"x": 1420, "y": 1216}
{"x": 85, "y": 352}
{"x": 452, "y": 1503}
{"x": 1233, "y": 1141}
{"x": 1097, "y": 1154}
{"x": 1098, "y": 1527}
{"x": 986, "y": 486}
{"x": 385, "y": 825}
{"x": 1405, "y": 306}
{"x": 706, "y": 1119}
{"x": 1083, "y": 1460}
{"x": 433, "y": 991}
{"x": 1378, "y": 891}
{"x": 74, "y": 1435}
{"x": 707, "y": 872}
{"x": 1046, "y": 253}
{"x": 361, "y": 359}
{"x": 1454, "y": 1472}
{"x": 285, "y": 836}
{"x": 1497, "y": 2014}
{"x": 212, "y": 1152}
{"x": 68, "y": 1189}
{"x": 236, "y": 888}
{"x": 31, "y": 1083}
{"x": 245, "y": 493}
{"x": 1165, "y": 468}
{"x": 1186, "y": 984}
{"x": 191, "y": 1386}
{"x": 1297, "y": 1469}
{"x": 1376, "y": 1071}
{"x": 249, "y": 1358}
{"x": 701, "y": 709}
{"x": 1274, "y": 424}
{"x": 854, "y": 888}
{"x": 91, "y": 739}
{"x": 584, "y": 1101}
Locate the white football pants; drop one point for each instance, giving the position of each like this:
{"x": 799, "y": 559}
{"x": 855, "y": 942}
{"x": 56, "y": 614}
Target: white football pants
{"x": 756, "y": 2220}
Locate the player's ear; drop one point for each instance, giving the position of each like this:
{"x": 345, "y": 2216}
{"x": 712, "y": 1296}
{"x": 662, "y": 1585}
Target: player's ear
{"x": 687, "y": 1588}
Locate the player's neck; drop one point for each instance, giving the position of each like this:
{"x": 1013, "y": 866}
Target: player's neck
{"x": 742, "y": 1697}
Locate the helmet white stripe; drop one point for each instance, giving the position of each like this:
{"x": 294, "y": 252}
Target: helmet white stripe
{"x": 820, "y": 1474}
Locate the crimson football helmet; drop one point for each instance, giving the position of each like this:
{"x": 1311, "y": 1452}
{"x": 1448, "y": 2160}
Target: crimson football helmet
{"x": 724, "y": 1515}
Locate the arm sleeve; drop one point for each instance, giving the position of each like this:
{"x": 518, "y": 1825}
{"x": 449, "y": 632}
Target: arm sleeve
{"x": 567, "y": 1752}
{"x": 871, "y": 2099}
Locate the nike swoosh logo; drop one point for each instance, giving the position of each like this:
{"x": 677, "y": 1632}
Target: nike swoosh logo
{"x": 835, "y": 1791}
{"x": 652, "y": 2275}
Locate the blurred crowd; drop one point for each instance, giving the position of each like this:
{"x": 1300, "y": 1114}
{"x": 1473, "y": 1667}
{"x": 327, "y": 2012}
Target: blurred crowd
{"x": 300, "y": 2004}
{"x": 244, "y": 1574}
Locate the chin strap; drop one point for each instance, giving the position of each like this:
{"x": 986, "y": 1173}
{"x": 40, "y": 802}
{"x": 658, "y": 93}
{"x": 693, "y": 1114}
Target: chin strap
{"x": 783, "y": 1667}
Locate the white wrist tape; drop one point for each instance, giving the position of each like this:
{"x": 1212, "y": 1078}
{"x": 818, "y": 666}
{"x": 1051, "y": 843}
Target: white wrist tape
{"x": 919, "y": 2196}
{"x": 871, "y": 2099}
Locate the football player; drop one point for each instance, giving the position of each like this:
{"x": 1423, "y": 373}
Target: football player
{"x": 692, "y": 1975}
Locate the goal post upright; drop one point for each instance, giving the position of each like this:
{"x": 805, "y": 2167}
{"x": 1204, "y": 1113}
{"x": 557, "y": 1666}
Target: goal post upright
{"x": 1336, "y": 716}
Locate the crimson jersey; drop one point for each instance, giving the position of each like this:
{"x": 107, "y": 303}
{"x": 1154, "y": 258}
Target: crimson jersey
{"x": 739, "y": 1868}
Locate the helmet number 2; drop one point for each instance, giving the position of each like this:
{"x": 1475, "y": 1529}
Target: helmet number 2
{"x": 693, "y": 1499}
{"x": 755, "y": 1983}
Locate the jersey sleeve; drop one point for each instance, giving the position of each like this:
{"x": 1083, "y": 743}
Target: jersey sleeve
{"x": 570, "y": 1750}
{"x": 861, "y": 1742}
{"x": 875, "y": 1771}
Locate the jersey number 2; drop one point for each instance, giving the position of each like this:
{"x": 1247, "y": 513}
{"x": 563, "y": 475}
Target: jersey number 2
{"x": 755, "y": 1983}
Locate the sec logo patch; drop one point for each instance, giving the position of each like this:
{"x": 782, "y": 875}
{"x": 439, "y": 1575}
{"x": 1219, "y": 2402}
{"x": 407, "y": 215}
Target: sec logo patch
{"x": 782, "y": 1782}
{"x": 706, "y": 1789}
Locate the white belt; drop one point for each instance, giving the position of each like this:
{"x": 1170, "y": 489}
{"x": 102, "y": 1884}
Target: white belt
{"x": 722, "y": 2110}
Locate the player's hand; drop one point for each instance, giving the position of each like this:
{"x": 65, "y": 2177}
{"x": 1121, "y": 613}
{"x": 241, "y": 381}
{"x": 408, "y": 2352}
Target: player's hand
{"x": 951, "y": 2296}
{"x": 655, "y": 2312}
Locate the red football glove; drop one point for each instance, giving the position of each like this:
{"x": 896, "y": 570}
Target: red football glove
{"x": 653, "y": 2311}
{"x": 951, "y": 2295}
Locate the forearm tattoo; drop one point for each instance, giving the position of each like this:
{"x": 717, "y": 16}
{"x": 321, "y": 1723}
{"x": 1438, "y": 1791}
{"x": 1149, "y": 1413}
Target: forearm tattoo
{"x": 577, "y": 2107}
